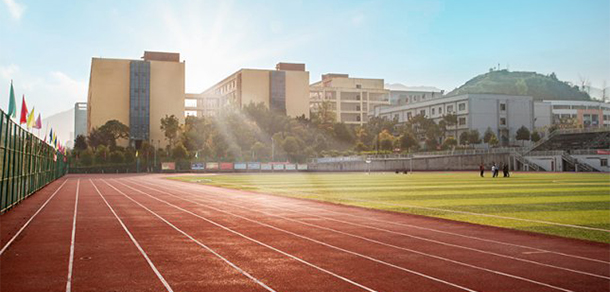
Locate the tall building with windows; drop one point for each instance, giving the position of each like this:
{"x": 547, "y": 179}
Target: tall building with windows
{"x": 80, "y": 119}
{"x": 285, "y": 89}
{"x": 503, "y": 114}
{"x": 350, "y": 98}
{"x": 138, "y": 93}
{"x": 202, "y": 105}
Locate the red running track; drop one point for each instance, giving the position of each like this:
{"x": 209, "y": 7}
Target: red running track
{"x": 145, "y": 233}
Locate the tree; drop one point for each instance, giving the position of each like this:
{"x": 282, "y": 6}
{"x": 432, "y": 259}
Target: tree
{"x": 523, "y": 134}
{"x": 258, "y": 150}
{"x": 117, "y": 157}
{"x": 170, "y": 127}
{"x": 464, "y": 138}
{"x": 292, "y": 147}
{"x": 493, "y": 142}
{"x": 488, "y": 134}
{"x": 101, "y": 153}
{"x": 408, "y": 141}
{"x": 386, "y": 140}
{"x": 451, "y": 120}
{"x": 86, "y": 157}
{"x": 115, "y": 130}
{"x": 474, "y": 137}
{"x": 80, "y": 143}
{"x": 179, "y": 152}
{"x": 449, "y": 143}
{"x": 324, "y": 117}
{"x": 535, "y": 136}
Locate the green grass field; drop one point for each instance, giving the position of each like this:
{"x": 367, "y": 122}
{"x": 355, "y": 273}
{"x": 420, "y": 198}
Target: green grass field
{"x": 580, "y": 199}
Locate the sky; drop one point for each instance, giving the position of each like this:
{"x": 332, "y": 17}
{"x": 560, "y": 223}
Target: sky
{"x": 46, "y": 46}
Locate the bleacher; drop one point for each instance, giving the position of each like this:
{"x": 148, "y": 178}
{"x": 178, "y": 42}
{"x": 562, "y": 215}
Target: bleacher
{"x": 576, "y": 140}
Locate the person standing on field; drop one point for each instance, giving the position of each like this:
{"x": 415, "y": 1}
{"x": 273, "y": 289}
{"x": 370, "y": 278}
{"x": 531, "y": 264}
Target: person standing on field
{"x": 482, "y": 169}
{"x": 506, "y": 171}
{"x": 494, "y": 170}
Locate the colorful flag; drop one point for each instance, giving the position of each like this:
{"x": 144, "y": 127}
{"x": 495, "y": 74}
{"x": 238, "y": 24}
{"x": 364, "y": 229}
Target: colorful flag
{"x": 51, "y": 136}
{"x": 31, "y": 121}
{"x": 24, "y": 112}
{"x": 38, "y": 124}
{"x": 12, "y": 106}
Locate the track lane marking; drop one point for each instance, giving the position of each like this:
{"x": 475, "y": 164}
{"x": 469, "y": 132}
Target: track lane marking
{"x": 194, "y": 240}
{"x": 184, "y": 185}
{"x": 454, "y": 245}
{"x": 5, "y": 247}
{"x": 135, "y": 242}
{"x": 362, "y": 238}
{"x": 304, "y": 237}
{"x": 71, "y": 260}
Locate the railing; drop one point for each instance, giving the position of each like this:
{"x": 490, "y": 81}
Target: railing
{"x": 578, "y": 165}
{"x": 27, "y": 163}
{"x": 530, "y": 165}
{"x": 589, "y": 152}
{"x": 565, "y": 131}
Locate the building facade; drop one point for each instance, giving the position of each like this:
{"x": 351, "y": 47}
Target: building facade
{"x": 401, "y": 94}
{"x": 503, "y": 114}
{"x": 285, "y": 89}
{"x": 138, "y": 93}
{"x": 201, "y": 105}
{"x": 579, "y": 113}
{"x": 350, "y": 98}
{"x": 80, "y": 119}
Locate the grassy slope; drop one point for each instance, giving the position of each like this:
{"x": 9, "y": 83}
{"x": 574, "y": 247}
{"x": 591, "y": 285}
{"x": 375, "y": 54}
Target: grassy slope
{"x": 575, "y": 199}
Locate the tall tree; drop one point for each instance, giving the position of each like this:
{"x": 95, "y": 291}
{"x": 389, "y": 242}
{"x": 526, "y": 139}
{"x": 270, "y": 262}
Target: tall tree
{"x": 523, "y": 134}
{"x": 170, "y": 127}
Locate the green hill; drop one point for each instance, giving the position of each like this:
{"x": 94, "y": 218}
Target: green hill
{"x": 522, "y": 83}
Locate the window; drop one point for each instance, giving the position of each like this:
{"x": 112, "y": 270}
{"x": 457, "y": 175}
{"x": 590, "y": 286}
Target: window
{"x": 462, "y": 121}
{"x": 461, "y": 106}
{"x": 358, "y": 86}
{"x": 358, "y": 118}
{"x": 440, "y": 110}
{"x": 422, "y": 112}
{"x": 397, "y": 116}
{"x": 357, "y": 96}
{"x": 408, "y": 116}
{"x": 432, "y": 111}
{"x": 450, "y": 108}
{"x": 502, "y": 121}
{"x": 358, "y": 107}
{"x": 603, "y": 162}
{"x": 503, "y": 107}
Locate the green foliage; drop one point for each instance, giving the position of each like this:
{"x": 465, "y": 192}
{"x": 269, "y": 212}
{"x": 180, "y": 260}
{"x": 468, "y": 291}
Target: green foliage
{"x": 117, "y": 157}
{"x": 449, "y": 143}
{"x": 522, "y": 83}
{"x": 474, "y": 137}
{"x": 179, "y": 152}
{"x": 523, "y": 134}
{"x": 488, "y": 135}
{"x": 108, "y": 134}
{"x": 493, "y": 141}
{"x": 86, "y": 157}
{"x": 535, "y": 136}
{"x": 386, "y": 141}
{"x": 101, "y": 154}
{"x": 80, "y": 143}
{"x": 170, "y": 126}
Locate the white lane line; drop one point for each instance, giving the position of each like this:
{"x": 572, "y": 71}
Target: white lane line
{"x": 71, "y": 261}
{"x": 184, "y": 186}
{"x": 453, "y": 245}
{"x": 257, "y": 281}
{"x": 31, "y": 218}
{"x": 365, "y": 239}
{"x": 307, "y": 238}
{"x": 135, "y": 242}
{"x": 447, "y": 210}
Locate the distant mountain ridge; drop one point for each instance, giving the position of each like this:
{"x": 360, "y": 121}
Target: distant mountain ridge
{"x": 539, "y": 86}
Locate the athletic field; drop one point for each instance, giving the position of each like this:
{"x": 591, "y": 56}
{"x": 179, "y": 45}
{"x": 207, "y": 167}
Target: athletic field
{"x": 148, "y": 233}
{"x": 573, "y": 205}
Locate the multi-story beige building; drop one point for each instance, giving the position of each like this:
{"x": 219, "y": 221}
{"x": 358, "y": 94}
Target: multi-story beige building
{"x": 201, "y": 105}
{"x": 285, "y": 89}
{"x": 138, "y": 93}
{"x": 350, "y": 98}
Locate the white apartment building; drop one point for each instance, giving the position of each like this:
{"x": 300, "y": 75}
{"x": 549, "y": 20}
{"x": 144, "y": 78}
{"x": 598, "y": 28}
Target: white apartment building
{"x": 401, "y": 94}
{"x": 350, "y": 98}
{"x": 503, "y": 114}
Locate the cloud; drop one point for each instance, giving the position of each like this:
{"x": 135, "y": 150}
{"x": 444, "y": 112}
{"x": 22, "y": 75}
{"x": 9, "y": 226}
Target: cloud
{"x": 51, "y": 92}
{"x": 15, "y": 8}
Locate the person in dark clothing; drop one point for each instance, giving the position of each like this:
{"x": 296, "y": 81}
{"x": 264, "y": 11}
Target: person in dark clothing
{"x": 506, "y": 172}
{"x": 482, "y": 169}
{"x": 494, "y": 170}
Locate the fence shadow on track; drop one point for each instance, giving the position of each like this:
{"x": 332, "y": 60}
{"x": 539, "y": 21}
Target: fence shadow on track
{"x": 26, "y": 163}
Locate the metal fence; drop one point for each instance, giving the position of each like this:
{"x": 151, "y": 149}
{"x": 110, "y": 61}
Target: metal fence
{"x": 26, "y": 163}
